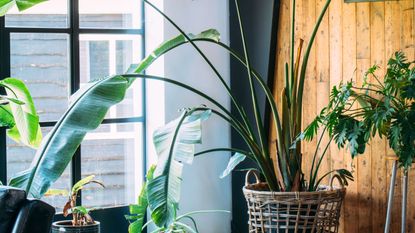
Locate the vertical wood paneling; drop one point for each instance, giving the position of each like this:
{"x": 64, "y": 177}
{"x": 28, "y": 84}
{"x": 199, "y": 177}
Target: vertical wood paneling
{"x": 407, "y": 32}
{"x": 363, "y": 176}
{"x": 322, "y": 45}
{"x": 377, "y": 26}
{"x": 336, "y": 53}
{"x": 352, "y": 38}
{"x": 310, "y": 91}
{"x": 348, "y": 72}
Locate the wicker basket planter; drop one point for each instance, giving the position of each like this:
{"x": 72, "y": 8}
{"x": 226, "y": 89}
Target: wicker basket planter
{"x": 293, "y": 212}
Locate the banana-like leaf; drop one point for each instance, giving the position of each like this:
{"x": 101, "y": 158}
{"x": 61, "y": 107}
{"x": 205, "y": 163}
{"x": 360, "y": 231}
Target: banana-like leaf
{"x": 26, "y": 129}
{"x": 236, "y": 159}
{"x": 138, "y": 211}
{"x": 85, "y": 114}
{"x": 168, "y": 45}
{"x": 174, "y": 144}
{"x": 6, "y": 5}
{"x": 88, "y": 109}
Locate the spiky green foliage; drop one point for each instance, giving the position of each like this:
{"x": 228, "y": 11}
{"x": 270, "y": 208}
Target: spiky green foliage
{"x": 386, "y": 108}
{"x": 284, "y": 172}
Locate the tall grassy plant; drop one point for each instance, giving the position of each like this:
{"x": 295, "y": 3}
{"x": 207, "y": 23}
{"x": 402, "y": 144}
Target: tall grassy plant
{"x": 283, "y": 173}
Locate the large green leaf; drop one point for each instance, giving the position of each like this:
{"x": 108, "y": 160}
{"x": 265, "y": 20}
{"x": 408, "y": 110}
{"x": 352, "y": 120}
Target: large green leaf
{"x": 6, "y": 5}
{"x": 86, "y": 112}
{"x": 88, "y": 108}
{"x": 174, "y": 144}
{"x": 138, "y": 211}
{"x": 26, "y": 129}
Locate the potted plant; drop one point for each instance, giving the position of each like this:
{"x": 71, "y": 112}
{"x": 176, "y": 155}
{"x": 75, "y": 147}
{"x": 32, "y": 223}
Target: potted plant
{"x": 81, "y": 219}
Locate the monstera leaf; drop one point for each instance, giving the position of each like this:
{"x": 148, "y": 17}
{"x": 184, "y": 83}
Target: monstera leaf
{"x": 87, "y": 111}
{"x": 174, "y": 144}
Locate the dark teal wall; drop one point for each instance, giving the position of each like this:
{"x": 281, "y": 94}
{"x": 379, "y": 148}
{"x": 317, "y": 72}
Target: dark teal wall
{"x": 260, "y": 22}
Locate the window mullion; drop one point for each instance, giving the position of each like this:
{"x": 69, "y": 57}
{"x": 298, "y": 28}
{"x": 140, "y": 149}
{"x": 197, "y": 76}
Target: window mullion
{"x": 75, "y": 81}
{"x": 5, "y": 72}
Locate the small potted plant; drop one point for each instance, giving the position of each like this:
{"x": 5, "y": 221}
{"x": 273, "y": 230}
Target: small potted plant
{"x": 81, "y": 219}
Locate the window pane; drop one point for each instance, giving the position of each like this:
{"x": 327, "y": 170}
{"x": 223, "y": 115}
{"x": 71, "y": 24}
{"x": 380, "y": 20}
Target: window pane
{"x": 103, "y": 55}
{"x": 106, "y": 14}
{"x": 113, "y": 153}
{"x": 41, "y": 60}
{"x": 19, "y": 158}
{"x": 51, "y": 14}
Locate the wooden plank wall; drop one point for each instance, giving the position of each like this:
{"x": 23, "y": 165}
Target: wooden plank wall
{"x": 352, "y": 37}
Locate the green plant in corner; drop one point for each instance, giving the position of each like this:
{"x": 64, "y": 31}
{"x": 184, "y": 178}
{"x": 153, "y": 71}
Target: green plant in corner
{"x": 386, "y": 108}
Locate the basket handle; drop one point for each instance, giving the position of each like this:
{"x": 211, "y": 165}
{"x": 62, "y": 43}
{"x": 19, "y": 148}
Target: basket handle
{"x": 338, "y": 179}
{"x": 249, "y": 173}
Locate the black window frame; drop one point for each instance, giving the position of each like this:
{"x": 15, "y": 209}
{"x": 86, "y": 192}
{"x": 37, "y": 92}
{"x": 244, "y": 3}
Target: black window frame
{"x": 73, "y": 30}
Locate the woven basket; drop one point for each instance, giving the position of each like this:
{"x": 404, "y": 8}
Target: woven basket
{"x": 293, "y": 212}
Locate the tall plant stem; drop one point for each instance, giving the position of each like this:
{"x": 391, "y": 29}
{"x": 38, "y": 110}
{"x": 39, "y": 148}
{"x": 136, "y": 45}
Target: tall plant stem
{"x": 268, "y": 93}
{"x": 262, "y": 162}
{"x": 237, "y": 105}
{"x": 315, "y": 156}
{"x": 258, "y": 120}
{"x": 304, "y": 65}
{"x": 320, "y": 160}
{"x": 291, "y": 86}
{"x": 232, "y": 119}
{"x": 269, "y": 173}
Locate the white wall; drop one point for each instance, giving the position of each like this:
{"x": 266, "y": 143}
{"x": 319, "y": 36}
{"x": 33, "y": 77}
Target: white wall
{"x": 202, "y": 189}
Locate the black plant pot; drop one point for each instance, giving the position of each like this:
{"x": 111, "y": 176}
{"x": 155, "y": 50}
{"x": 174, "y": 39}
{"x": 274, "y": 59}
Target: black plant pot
{"x": 66, "y": 227}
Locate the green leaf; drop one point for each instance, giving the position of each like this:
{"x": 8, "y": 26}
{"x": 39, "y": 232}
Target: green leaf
{"x": 236, "y": 159}
{"x": 138, "y": 211}
{"x": 6, "y": 99}
{"x": 173, "y": 43}
{"x": 174, "y": 145}
{"x": 80, "y": 209}
{"x": 26, "y": 4}
{"x": 83, "y": 182}
{"x": 88, "y": 109}
{"x": 86, "y": 112}
{"x": 6, "y": 117}
{"x": 57, "y": 192}
{"x": 6, "y": 5}
{"x": 27, "y": 128}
